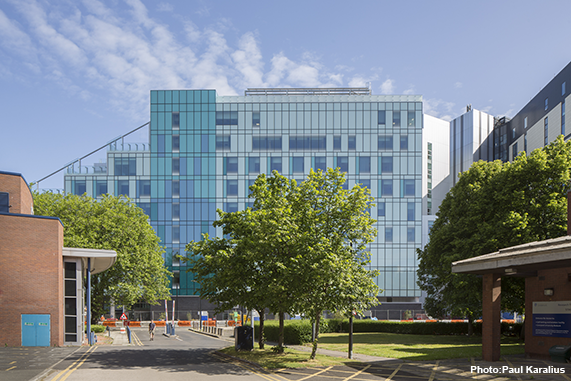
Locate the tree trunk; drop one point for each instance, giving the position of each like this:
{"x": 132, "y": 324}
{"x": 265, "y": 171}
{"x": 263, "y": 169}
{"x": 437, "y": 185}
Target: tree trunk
{"x": 470, "y": 325}
{"x": 261, "y": 338}
{"x": 317, "y": 321}
{"x": 281, "y": 334}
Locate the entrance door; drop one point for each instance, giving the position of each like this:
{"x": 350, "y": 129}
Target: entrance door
{"x": 35, "y": 330}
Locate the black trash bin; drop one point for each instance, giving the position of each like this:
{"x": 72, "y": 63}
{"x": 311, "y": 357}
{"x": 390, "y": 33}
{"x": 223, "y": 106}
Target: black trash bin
{"x": 243, "y": 339}
{"x": 560, "y": 353}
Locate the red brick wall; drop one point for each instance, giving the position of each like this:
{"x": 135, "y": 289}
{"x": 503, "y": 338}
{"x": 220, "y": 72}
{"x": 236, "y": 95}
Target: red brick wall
{"x": 31, "y": 275}
{"x": 538, "y": 346}
{"x": 20, "y": 195}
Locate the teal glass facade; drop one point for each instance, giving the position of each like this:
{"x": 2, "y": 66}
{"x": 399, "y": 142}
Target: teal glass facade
{"x": 206, "y": 150}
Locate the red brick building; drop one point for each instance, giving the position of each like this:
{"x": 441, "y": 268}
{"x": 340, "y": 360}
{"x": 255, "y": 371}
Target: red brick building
{"x": 41, "y": 282}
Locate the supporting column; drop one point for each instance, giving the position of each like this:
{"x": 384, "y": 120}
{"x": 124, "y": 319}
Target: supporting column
{"x": 491, "y": 314}
{"x": 88, "y": 318}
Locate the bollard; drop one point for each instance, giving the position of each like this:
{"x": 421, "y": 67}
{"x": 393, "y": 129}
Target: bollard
{"x": 129, "y": 334}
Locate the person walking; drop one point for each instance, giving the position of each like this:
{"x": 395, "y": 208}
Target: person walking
{"x": 152, "y": 327}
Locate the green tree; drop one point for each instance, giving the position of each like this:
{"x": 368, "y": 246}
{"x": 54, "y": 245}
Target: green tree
{"x": 299, "y": 249}
{"x": 493, "y": 205}
{"x": 112, "y": 223}
{"x": 251, "y": 267}
{"x": 335, "y": 228}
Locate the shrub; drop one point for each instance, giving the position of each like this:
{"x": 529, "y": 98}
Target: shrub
{"x": 98, "y": 328}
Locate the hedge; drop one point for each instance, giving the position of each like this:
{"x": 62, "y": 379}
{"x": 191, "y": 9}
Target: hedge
{"x": 98, "y": 328}
{"x": 298, "y": 332}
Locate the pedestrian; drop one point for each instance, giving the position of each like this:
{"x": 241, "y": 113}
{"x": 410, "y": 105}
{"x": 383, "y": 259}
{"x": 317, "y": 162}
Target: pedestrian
{"x": 152, "y": 327}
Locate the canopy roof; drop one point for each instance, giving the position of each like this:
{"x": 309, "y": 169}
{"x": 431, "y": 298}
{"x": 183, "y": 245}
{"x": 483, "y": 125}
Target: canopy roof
{"x": 523, "y": 260}
{"x": 101, "y": 260}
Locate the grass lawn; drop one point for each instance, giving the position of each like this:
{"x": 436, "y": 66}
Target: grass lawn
{"x": 398, "y": 346}
{"x": 415, "y": 347}
{"x": 289, "y": 359}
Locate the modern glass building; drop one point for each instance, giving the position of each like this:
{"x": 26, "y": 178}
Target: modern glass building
{"x": 205, "y": 150}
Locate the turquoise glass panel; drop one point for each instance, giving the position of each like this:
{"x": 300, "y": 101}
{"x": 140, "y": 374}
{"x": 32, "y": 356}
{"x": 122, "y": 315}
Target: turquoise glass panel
{"x": 211, "y": 166}
{"x": 175, "y": 96}
{"x": 161, "y": 96}
{"x": 190, "y": 166}
{"x": 197, "y": 189}
{"x": 161, "y": 120}
{"x": 154, "y": 96}
{"x": 212, "y": 143}
{"x": 168, "y": 96}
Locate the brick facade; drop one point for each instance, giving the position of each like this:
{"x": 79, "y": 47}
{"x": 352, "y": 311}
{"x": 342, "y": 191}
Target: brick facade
{"x": 31, "y": 265}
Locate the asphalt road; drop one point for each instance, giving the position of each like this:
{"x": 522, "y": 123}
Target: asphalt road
{"x": 189, "y": 357}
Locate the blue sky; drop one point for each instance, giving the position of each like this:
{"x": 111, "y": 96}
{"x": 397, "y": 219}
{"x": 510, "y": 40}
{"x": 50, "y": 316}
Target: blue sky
{"x": 76, "y": 74}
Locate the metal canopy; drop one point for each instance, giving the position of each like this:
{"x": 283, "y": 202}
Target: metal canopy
{"x": 522, "y": 259}
{"x": 101, "y": 260}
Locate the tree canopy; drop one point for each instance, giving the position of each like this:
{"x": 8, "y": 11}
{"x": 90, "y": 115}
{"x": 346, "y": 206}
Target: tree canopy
{"x": 492, "y": 206}
{"x": 299, "y": 249}
{"x": 113, "y": 223}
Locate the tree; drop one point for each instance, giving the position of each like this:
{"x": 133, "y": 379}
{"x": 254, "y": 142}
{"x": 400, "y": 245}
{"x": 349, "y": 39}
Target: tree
{"x": 301, "y": 248}
{"x": 112, "y": 223}
{"x": 250, "y": 267}
{"x": 335, "y": 228}
{"x": 493, "y": 205}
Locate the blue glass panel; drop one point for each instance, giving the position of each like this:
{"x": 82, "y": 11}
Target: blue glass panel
{"x": 197, "y": 166}
{"x": 204, "y": 144}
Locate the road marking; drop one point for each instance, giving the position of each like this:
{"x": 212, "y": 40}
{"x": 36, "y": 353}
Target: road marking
{"x": 434, "y": 371}
{"x": 12, "y": 362}
{"x": 10, "y": 368}
{"x": 315, "y": 374}
{"x": 358, "y": 373}
{"x": 67, "y": 371}
{"x": 136, "y": 339}
{"x": 511, "y": 366}
{"x": 395, "y": 372}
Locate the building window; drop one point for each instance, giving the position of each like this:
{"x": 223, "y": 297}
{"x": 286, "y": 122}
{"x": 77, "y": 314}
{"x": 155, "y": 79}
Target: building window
{"x": 563, "y": 89}
{"x": 513, "y": 133}
{"x": 253, "y": 165}
{"x": 382, "y": 117}
{"x": 176, "y": 211}
{"x": 231, "y": 207}
{"x": 343, "y": 163}
{"x": 275, "y": 164}
{"x": 525, "y": 122}
{"x": 404, "y": 143}
{"x": 223, "y": 142}
{"x": 514, "y": 150}
{"x": 352, "y": 146}
{"x": 123, "y": 187}
{"x": 396, "y": 119}
{"x": 388, "y": 234}
{"x": 381, "y": 209}
{"x": 364, "y": 164}
{"x": 320, "y": 163}
{"x": 176, "y": 234}
{"x": 337, "y": 143}
{"x": 385, "y": 143}
{"x": 175, "y": 188}
{"x": 365, "y": 183}
{"x": 408, "y": 188}
{"x": 231, "y": 164}
{"x": 227, "y": 118}
{"x": 270, "y": 143}
{"x": 545, "y": 130}
{"x": 297, "y": 164}
{"x": 410, "y": 232}
{"x": 175, "y": 120}
{"x": 125, "y": 166}
{"x": 307, "y": 143}
{"x": 546, "y": 103}
{"x": 525, "y": 142}
{"x": 100, "y": 187}
{"x": 144, "y": 187}
{"x": 176, "y": 166}
{"x": 411, "y": 119}
{"x": 410, "y": 211}
{"x": 386, "y": 164}
{"x": 175, "y": 143}
{"x": 255, "y": 119}
{"x": 232, "y": 187}
{"x": 386, "y": 188}
{"x": 563, "y": 117}
{"x": 176, "y": 280}
{"x": 4, "y": 202}
{"x": 79, "y": 187}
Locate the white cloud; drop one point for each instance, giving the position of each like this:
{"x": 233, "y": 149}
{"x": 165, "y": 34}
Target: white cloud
{"x": 164, "y": 7}
{"x": 248, "y": 61}
{"x": 388, "y": 87}
{"x": 440, "y": 109}
{"x": 458, "y": 85}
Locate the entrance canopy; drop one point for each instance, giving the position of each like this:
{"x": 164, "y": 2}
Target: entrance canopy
{"x": 101, "y": 260}
{"x": 522, "y": 260}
